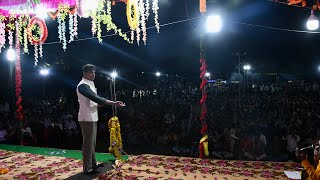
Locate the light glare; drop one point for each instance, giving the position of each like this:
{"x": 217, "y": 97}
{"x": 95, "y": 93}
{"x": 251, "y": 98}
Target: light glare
{"x": 158, "y": 74}
{"x": 214, "y": 23}
{"x": 11, "y": 54}
{"x": 312, "y": 23}
{"x": 44, "y": 72}
{"x": 114, "y": 74}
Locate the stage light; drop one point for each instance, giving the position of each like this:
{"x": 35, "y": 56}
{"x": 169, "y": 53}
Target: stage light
{"x": 207, "y": 74}
{"x": 44, "y": 72}
{"x": 114, "y": 74}
{"x": 246, "y": 67}
{"x": 11, "y": 54}
{"x": 312, "y": 23}
{"x": 158, "y": 74}
{"x": 214, "y": 23}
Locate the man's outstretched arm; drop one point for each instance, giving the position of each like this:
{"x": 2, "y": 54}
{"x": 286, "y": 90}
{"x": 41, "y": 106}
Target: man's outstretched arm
{"x": 85, "y": 90}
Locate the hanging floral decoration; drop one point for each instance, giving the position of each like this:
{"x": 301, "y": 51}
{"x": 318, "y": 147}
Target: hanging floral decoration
{"x": 93, "y": 26}
{"x": 143, "y": 21}
{"x": 115, "y": 137}
{"x": 106, "y": 19}
{"x": 2, "y": 32}
{"x": 155, "y": 8}
{"x": 10, "y": 38}
{"x": 25, "y": 34}
{"x": 132, "y": 14}
{"x": 147, "y": 9}
{"x": 203, "y": 144}
{"x": 203, "y": 6}
{"x": 75, "y": 23}
{"x": 63, "y": 10}
{"x": 41, "y": 31}
{"x": 71, "y": 28}
{"x": 38, "y": 26}
{"x": 18, "y": 76}
{"x": 11, "y": 27}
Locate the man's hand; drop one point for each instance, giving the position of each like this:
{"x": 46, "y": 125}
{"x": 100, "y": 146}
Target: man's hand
{"x": 119, "y": 104}
{"x": 301, "y": 155}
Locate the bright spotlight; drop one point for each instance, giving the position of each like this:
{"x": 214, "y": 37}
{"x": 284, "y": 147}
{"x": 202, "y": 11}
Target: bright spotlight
{"x": 214, "y": 23}
{"x": 11, "y": 54}
{"x": 44, "y": 72}
{"x": 114, "y": 74}
{"x": 246, "y": 67}
{"x": 207, "y": 74}
{"x": 312, "y": 23}
{"x": 158, "y": 74}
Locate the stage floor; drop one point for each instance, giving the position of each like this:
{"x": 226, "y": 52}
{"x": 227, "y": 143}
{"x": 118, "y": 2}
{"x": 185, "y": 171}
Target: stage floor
{"x": 45, "y": 163}
{"x": 169, "y": 167}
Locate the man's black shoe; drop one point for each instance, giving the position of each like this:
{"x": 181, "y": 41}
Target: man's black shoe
{"x": 100, "y": 165}
{"x": 92, "y": 172}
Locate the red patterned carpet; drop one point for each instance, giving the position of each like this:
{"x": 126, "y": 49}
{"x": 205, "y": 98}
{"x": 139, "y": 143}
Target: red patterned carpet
{"x": 32, "y": 166}
{"x": 167, "y": 167}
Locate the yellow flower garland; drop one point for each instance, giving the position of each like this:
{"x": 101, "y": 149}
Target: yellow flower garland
{"x": 204, "y": 140}
{"x": 133, "y": 22}
{"x": 4, "y": 171}
{"x": 115, "y": 137}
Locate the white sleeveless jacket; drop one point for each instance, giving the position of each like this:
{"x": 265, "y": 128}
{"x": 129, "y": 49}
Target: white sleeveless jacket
{"x": 88, "y": 110}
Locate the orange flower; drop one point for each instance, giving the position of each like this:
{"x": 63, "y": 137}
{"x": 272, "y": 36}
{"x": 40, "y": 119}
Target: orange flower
{"x": 203, "y": 6}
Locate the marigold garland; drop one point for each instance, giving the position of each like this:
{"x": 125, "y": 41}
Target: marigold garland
{"x": 4, "y": 171}
{"x": 132, "y": 9}
{"x": 203, "y": 6}
{"x": 115, "y": 137}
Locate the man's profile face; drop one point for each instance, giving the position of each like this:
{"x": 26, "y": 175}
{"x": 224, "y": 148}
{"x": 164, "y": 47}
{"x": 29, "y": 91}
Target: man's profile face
{"x": 90, "y": 75}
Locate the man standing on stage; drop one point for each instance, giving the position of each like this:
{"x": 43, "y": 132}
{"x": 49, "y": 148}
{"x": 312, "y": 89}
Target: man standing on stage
{"x": 88, "y": 117}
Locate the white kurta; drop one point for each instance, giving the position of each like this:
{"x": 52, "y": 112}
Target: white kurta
{"x": 88, "y": 110}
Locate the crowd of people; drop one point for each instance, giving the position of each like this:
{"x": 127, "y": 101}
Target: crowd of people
{"x": 263, "y": 122}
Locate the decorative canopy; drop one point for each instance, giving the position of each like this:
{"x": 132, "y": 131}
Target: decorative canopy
{"x": 29, "y": 6}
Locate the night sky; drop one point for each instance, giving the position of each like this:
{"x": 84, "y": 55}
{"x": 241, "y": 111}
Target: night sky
{"x": 176, "y": 49}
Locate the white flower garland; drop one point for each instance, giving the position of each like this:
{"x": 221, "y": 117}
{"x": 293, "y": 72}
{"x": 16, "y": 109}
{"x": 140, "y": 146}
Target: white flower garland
{"x": 132, "y": 36}
{"x": 64, "y": 39}
{"x": 75, "y": 20}
{"x": 147, "y": 9}
{"x": 71, "y": 28}
{"x": 25, "y": 40}
{"x": 75, "y": 24}
{"x": 10, "y": 38}
{"x": 35, "y": 55}
{"x": 93, "y": 26}
{"x": 138, "y": 35}
{"x": 2, "y": 35}
{"x": 155, "y": 8}
{"x": 59, "y": 20}
{"x": 138, "y": 27}
{"x": 41, "y": 51}
{"x": 143, "y": 21}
